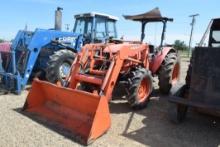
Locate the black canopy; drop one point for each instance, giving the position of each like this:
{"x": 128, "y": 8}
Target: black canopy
{"x": 153, "y": 15}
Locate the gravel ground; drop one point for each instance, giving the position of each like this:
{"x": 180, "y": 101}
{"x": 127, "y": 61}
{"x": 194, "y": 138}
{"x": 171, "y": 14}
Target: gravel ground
{"x": 149, "y": 127}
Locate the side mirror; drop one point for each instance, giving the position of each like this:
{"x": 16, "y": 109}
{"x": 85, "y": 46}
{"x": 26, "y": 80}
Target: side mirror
{"x": 152, "y": 49}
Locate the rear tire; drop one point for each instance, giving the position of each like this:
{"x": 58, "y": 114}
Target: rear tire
{"x": 59, "y": 60}
{"x": 139, "y": 87}
{"x": 169, "y": 72}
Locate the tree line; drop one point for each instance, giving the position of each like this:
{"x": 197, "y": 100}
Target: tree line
{"x": 2, "y": 40}
{"x": 180, "y": 45}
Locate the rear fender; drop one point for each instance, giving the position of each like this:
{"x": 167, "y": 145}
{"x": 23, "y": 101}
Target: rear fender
{"x": 158, "y": 59}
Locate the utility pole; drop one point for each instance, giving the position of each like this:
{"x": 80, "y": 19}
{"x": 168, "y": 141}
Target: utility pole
{"x": 192, "y": 28}
{"x": 67, "y": 27}
{"x": 26, "y": 27}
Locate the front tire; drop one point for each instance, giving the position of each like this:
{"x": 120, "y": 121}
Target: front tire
{"x": 169, "y": 72}
{"x": 139, "y": 87}
{"x": 59, "y": 64}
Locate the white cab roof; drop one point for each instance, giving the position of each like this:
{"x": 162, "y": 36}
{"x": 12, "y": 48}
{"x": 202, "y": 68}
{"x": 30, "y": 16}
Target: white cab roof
{"x": 93, "y": 14}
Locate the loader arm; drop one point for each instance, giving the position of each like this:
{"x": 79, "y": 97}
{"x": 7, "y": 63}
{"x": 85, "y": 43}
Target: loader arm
{"x": 106, "y": 78}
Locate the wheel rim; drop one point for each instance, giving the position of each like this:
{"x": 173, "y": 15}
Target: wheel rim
{"x": 175, "y": 74}
{"x": 143, "y": 90}
{"x": 64, "y": 70}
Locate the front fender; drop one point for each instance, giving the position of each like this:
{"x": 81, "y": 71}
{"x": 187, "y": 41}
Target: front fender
{"x": 158, "y": 59}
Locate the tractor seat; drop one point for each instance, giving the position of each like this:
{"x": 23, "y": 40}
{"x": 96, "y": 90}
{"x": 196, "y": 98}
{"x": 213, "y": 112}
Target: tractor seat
{"x": 151, "y": 48}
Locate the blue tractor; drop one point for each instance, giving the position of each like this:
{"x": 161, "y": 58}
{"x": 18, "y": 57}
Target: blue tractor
{"x": 48, "y": 54}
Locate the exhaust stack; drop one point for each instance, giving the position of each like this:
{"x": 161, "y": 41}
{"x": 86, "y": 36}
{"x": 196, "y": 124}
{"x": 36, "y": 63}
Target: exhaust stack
{"x": 58, "y": 19}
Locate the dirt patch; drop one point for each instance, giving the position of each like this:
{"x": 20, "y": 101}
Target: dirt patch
{"x": 148, "y": 127}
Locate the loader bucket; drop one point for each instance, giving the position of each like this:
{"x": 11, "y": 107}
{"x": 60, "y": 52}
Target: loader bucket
{"x": 83, "y": 114}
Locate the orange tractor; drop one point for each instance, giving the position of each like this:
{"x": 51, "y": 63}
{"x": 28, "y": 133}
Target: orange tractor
{"x": 80, "y": 104}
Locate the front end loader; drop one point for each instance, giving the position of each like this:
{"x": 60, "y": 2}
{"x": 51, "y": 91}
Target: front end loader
{"x": 80, "y": 104}
{"x": 24, "y": 53}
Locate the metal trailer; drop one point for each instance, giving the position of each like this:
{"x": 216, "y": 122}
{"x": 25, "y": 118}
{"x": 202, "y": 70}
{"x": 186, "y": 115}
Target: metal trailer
{"x": 202, "y": 90}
